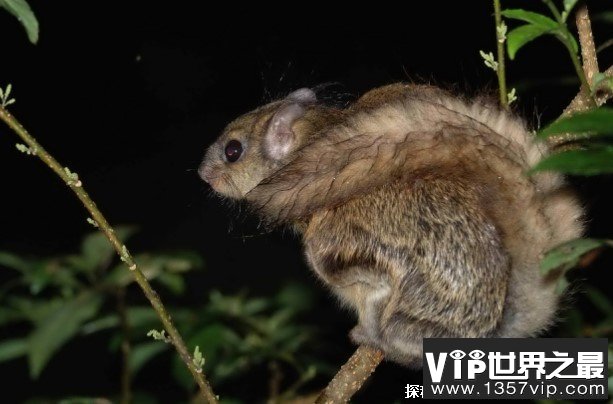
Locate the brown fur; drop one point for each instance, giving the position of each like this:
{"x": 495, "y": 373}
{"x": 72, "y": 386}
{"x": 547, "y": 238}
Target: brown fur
{"x": 414, "y": 208}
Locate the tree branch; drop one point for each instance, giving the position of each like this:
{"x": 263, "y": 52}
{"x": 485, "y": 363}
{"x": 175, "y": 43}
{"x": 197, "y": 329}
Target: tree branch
{"x": 351, "y": 376}
{"x": 76, "y": 186}
{"x": 583, "y": 101}
{"x": 577, "y": 104}
{"x": 586, "y": 39}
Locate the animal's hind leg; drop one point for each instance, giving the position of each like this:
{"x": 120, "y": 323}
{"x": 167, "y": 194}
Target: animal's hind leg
{"x": 372, "y": 298}
{"x": 402, "y": 338}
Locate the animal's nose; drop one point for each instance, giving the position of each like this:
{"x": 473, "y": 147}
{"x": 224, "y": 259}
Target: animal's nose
{"x": 205, "y": 173}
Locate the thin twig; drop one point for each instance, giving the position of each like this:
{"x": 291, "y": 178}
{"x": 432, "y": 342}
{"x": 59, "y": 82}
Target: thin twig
{"x": 76, "y": 186}
{"x": 500, "y": 71}
{"x": 351, "y": 376}
{"x": 126, "y": 348}
{"x": 604, "y": 45}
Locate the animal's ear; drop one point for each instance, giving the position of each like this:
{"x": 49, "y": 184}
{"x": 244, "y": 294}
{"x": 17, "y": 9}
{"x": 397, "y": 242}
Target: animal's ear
{"x": 280, "y": 138}
{"x": 302, "y": 96}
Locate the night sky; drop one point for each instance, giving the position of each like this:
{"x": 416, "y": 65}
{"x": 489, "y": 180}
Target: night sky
{"x": 130, "y": 94}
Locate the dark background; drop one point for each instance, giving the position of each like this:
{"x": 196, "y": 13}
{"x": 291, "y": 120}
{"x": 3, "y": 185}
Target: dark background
{"x": 130, "y": 94}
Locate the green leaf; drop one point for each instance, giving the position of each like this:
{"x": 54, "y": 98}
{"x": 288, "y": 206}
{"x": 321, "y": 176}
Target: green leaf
{"x": 594, "y": 122}
{"x": 100, "y": 324}
{"x": 22, "y": 11}
{"x": 58, "y": 327}
{"x": 567, "y": 255}
{"x": 35, "y": 310}
{"x": 13, "y": 348}
{"x": 40, "y": 276}
{"x": 51, "y": 272}
{"x": 138, "y": 317}
{"x": 211, "y": 339}
{"x": 568, "y": 7}
{"x": 531, "y": 17}
{"x": 173, "y": 282}
{"x": 97, "y": 250}
{"x": 182, "y": 261}
{"x": 142, "y": 316}
{"x": 592, "y": 161}
{"x": 143, "y": 353}
{"x": 230, "y": 368}
{"x": 255, "y": 306}
{"x": 522, "y": 35}
{"x": 13, "y": 261}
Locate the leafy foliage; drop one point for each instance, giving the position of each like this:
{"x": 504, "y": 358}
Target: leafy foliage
{"x": 593, "y": 122}
{"x": 597, "y": 159}
{"x": 537, "y": 26}
{"x": 22, "y": 11}
{"x": 238, "y": 333}
{"x": 567, "y": 255}
{"x": 591, "y": 153}
{"x": 60, "y": 298}
{"x": 63, "y": 298}
{"x": 594, "y": 154}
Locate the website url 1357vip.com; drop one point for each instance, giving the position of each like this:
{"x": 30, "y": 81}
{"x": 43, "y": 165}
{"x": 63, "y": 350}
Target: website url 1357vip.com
{"x": 552, "y": 368}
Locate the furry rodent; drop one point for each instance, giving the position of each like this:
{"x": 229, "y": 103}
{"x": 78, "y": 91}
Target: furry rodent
{"x": 413, "y": 205}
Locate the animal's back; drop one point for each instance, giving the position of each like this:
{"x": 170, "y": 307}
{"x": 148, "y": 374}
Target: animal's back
{"x": 402, "y": 152}
{"x": 532, "y": 214}
{"x": 549, "y": 215}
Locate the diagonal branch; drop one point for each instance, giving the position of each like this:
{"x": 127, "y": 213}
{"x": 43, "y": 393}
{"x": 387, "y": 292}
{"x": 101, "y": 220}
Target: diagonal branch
{"x": 77, "y": 187}
{"x": 351, "y": 376}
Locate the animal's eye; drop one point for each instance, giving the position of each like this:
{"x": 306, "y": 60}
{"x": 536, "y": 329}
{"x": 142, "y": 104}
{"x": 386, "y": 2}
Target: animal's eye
{"x": 233, "y": 150}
